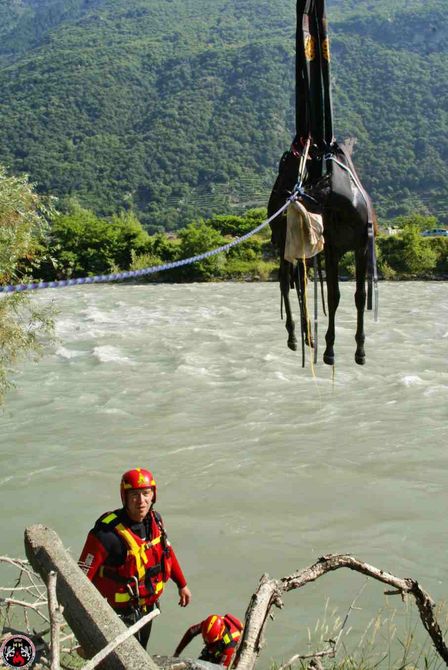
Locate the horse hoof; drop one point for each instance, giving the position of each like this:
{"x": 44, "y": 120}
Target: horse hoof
{"x": 292, "y": 344}
{"x": 329, "y": 360}
{"x": 360, "y": 359}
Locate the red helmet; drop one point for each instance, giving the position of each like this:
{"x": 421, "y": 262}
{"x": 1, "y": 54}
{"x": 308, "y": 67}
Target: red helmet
{"x": 138, "y": 478}
{"x": 213, "y": 628}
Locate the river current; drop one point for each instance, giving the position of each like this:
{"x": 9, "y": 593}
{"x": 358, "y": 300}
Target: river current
{"x": 261, "y": 466}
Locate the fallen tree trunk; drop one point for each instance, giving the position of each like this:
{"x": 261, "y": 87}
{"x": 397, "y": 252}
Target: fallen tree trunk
{"x": 270, "y": 591}
{"x": 88, "y": 614}
{"x": 175, "y": 663}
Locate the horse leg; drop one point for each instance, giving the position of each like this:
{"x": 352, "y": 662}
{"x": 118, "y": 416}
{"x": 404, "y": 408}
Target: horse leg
{"x": 360, "y": 302}
{"x": 333, "y": 296}
{"x": 285, "y": 284}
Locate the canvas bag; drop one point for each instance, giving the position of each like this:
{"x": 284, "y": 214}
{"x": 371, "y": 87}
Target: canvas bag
{"x": 304, "y": 232}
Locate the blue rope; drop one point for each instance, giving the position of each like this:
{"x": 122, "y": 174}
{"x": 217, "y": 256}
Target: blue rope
{"x": 15, "y": 288}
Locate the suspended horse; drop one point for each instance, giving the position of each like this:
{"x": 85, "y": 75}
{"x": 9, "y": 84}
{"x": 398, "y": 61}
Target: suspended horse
{"x": 320, "y": 174}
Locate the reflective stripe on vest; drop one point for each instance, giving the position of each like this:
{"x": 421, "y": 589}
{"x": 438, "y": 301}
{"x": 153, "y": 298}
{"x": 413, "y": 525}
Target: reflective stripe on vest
{"x": 139, "y": 554}
{"x": 227, "y": 639}
{"x": 126, "y": 597}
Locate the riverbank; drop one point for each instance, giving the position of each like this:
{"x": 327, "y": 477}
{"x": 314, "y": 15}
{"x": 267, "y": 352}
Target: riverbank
{"x": 79, "y": 244}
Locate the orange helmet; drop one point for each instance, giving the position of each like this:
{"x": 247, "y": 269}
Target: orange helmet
{"x": 138, "y": 478}
{"x": 213, "y": 628}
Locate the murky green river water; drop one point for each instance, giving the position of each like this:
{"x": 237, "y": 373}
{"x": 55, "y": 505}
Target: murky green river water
{"x": 261, "y": 466}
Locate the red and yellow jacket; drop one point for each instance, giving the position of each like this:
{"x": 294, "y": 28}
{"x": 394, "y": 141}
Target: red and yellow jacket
{"x": 220, "y": 652}
{"x": 124, "y": 565}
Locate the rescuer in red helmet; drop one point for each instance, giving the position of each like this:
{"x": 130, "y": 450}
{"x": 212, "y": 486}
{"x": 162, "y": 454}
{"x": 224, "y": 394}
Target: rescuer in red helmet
{"x": 128, "y": 557}
{"x": 221, "y": 635}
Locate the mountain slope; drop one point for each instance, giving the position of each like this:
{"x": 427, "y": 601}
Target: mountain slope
{"x": 183, "y": 108}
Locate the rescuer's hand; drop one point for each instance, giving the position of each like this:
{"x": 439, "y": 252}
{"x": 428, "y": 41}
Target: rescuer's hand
{"x": 184, "y": 596}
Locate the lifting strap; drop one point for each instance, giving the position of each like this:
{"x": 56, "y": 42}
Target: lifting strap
{"x": 314, "y": 112}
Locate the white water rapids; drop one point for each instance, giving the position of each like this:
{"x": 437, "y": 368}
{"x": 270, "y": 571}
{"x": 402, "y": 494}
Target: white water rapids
{"x": 260, "y": 466}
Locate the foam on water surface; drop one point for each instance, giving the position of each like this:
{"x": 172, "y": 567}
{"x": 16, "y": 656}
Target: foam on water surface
{"x": 254, "y": 456}
{"x": 110, "y": 354}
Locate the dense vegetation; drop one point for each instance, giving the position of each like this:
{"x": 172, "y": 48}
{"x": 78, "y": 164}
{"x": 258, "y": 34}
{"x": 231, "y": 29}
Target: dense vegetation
{"x": 22, "y": 230}
{"x": 177, "y": 109}
{"x": 79, "y": 243}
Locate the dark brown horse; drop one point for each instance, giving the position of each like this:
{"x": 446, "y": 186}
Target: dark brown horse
{"x": 321, "y": 174}
{"x": 349, "y": 224}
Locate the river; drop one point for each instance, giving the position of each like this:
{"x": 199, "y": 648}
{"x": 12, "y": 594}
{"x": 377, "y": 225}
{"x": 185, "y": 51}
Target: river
{"x": 261, "y": 466}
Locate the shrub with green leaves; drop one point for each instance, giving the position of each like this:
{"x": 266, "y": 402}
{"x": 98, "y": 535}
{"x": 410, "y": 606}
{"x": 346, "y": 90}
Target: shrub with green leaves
{"x": 80, "y": 243}
{"x": 23, "y": 223}
{"x": 199, "y": 237}
{"x": 409, "y": 254}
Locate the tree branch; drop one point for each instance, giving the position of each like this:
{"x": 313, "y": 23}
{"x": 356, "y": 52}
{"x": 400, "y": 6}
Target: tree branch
{"x": 268, "y": 594}
{"x": 270, "y": 590}
{"x": 55, "y": 611}
{"x": 101, "y": 655}
{"x": 22, "y": 603}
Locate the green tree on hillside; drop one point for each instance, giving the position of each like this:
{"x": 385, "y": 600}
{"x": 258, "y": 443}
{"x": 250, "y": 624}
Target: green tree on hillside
{"x": 199, "y": 237}
{"x": 417, "y": 255}
{"x": 106, "y": 101}
{"x": 409, "y": 254}
{"x": 418, "y": 221}
{"x": 80, "y": 243}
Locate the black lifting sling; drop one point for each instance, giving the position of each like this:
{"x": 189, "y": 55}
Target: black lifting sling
{"x": 314, "y": 117}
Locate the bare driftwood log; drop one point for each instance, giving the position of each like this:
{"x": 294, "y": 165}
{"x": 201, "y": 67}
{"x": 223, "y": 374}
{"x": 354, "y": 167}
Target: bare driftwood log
{"x": 28, "y": 585}
{"x": 56, "y": 620}
{"x": 269, "y": 593}
{"x": 91, "y": 618}
{"x": 175, "y": 663}
{"x": 101, "y": 655}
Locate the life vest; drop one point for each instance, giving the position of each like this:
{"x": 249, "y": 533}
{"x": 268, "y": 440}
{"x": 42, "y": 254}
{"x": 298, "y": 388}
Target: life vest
{"x": 222, "y": 651}
{"x": 146, "y": 569}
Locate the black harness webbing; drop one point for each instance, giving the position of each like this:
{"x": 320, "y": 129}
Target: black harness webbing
{"x": 164, "y": 542}
{"x": 314, "y": 111}
{"x": 111, "y": 573}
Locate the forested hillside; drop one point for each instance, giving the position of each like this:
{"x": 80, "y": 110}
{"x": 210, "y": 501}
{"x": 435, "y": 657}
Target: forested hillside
{"x": 177, "y": 108}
